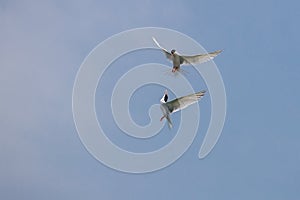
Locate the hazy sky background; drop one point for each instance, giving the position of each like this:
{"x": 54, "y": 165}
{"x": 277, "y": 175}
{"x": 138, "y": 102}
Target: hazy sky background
{"x": 43, "y": 43}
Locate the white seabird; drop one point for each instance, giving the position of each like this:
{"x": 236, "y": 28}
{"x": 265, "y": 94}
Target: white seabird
{"x": 177, "y": 104}
{"x": 186, "y": 60}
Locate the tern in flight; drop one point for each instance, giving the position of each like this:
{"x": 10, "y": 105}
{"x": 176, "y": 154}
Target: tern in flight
{"x": 177, "y": 104}
{"x": 186, "y": 60}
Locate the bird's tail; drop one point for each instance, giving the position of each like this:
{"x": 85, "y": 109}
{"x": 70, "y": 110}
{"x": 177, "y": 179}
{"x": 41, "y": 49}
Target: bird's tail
{"x": 169, "y": 121}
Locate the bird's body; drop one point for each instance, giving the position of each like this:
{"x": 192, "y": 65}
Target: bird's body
{"x": 179, "y": 60}
{"x": 177, "y": 104}
{"x": 176, "y": 62}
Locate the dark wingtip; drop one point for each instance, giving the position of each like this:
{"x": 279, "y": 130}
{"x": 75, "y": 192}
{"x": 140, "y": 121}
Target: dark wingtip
{"x": 201, "y": 93}
{"x": 220, "y": 51}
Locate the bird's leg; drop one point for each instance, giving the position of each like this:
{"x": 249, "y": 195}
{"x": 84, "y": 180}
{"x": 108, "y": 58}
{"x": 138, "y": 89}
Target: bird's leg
{"x": 162, "y": 117}
{"x": 175, "y": 69}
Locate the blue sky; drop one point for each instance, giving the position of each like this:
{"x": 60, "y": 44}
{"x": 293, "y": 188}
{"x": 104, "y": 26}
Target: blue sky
{"x": 43, "y": 45}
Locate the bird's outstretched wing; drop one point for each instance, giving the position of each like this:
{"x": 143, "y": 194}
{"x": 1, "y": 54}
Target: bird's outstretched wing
{"x": 183, "y": 102}
{"x": 168, "y": 54}
{"x": 201, "y": 58}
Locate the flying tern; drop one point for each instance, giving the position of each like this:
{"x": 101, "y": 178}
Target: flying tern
{"x": 177, "y": 104}
{"x": 179, "y": 60}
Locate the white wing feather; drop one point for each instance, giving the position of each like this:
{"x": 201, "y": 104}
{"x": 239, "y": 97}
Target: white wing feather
{"x": 197, "y": 59}
{"x": 168, "y": 55}
{"x": 183, "y": 102}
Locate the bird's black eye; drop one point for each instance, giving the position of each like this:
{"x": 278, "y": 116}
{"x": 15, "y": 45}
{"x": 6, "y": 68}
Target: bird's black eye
{"x": 166, "y": 98}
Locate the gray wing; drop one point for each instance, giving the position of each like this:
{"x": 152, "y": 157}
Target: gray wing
{"x": 201, "y": 58}
{"x": 183, "y": 102}
{"x": 168, "y": 55}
